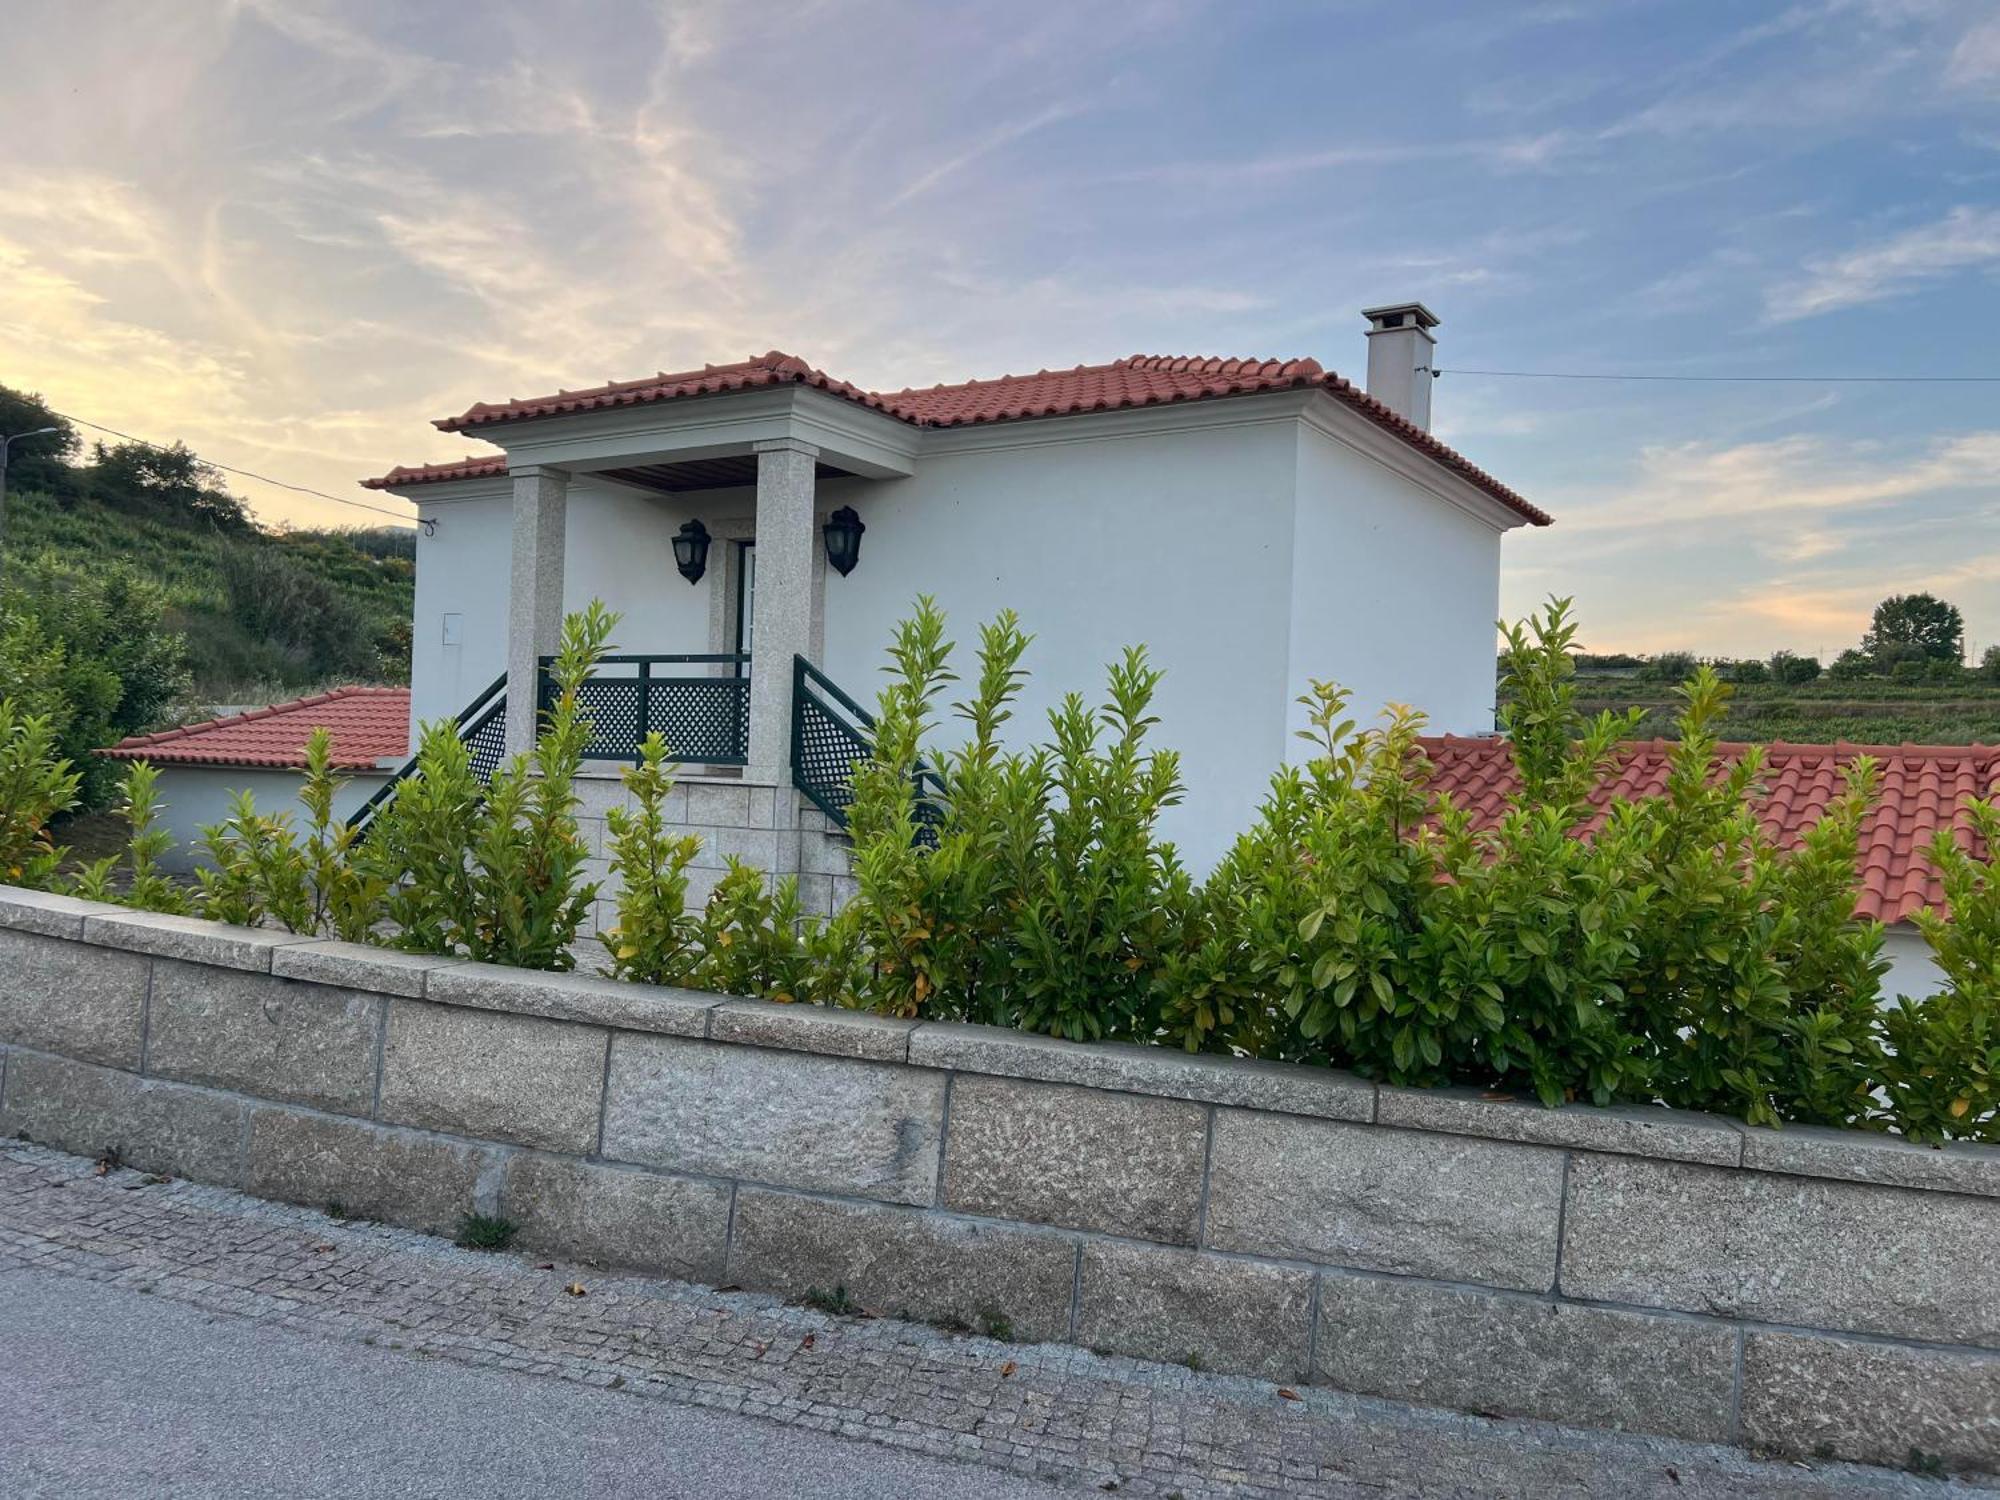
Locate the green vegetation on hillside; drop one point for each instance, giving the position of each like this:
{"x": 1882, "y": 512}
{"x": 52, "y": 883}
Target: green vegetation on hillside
{"x": 264, "y": 613}
{"x": 135, "y": 591}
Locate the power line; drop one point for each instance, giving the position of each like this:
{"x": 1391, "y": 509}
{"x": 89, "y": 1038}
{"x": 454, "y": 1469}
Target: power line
{"x": 1751, "y": 379}
{"x": 242, "y": 473}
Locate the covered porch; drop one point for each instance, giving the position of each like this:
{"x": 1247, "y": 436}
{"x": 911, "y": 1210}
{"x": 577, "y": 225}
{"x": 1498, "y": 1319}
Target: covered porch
{"x": 715, "y": 527}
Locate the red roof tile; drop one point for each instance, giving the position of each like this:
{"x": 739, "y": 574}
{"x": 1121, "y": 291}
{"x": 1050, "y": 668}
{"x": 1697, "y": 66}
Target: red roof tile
{"x": 368, "y": 724}
{"x": 1923, "y": 789}
{"x": 773, "y": 368}
{"x": 472, "y": 466}
{"x": 1140, "y": 380}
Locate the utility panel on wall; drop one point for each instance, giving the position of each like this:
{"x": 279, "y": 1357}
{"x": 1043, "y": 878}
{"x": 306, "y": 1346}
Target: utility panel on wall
{"x": 454, "y": 630}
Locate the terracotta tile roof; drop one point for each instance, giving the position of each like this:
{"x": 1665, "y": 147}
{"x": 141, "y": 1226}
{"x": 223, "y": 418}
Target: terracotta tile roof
{"x": 368, "y": 724}
{"x": 773, "y": 368}
{"x": 1923, "y": 789}
{"x": 1136, "y": 381}
{"x": 472, "y": 466}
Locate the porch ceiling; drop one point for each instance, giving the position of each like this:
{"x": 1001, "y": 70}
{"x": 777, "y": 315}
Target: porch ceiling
{"x": 706, "y": 473}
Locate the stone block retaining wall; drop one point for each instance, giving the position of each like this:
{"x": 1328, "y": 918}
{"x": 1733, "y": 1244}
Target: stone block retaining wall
{"x": 1794, "y": 1291}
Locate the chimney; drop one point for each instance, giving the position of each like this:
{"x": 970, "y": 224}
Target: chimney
{"x": 1399, "y": 359}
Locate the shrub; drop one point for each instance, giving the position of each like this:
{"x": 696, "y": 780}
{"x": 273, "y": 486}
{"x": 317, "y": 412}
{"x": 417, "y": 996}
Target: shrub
{"x": 656, "y": 939}
{"x": 755, "y": 941}
{"x": 1910, "y": 669}
{"x": 319, "y": 628}
{"x": 1941, "y": 1074}
{"x": 1891, "y": 654}
{"x": 36, "y": 784}
{"x": 259, "y": 870}
{"x": 417, "y": 845}
{"x": 935, "y": 909}
{"x": 1790, "y": 668}
{"x": 1669, "y": 666}
{"x": 1039, "y": 895}
{"x": 1670, "y": 955}
{"x": 496, "y": 873}
{"x": 1750, "y": 672}
{"x": 1989, "y": 664}
{"x": 1850, "y": 665}
{"x": 255, "y": 868}
{"x": 134, "y": 878}
{"x": 1939, "y": 669}
{"x": 92, "y": 651}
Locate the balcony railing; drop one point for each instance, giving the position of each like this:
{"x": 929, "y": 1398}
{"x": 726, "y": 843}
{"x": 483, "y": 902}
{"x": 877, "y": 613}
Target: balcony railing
{"x": 704, "y": 718}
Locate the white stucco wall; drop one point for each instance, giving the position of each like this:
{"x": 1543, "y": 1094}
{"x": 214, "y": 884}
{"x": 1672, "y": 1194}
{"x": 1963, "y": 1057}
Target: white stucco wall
{"x": 1180, "y": 541}
{"x": 462, "y": 569}
{"x": 193, "y": 797}
{"x": 1394, "y": 594}
{"x": 618, "y": 547}
{"x": 1912, "y": 969}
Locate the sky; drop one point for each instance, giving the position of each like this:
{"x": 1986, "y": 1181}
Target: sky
{"x": 291, "y": 233}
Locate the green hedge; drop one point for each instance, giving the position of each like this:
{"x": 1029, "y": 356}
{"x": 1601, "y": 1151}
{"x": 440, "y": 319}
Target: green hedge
{"x": 1673, "y": 956}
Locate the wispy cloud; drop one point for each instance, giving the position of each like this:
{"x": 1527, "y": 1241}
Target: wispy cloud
{"x": 1680, "y": 486}
{"x": 1964, "y": 239}
{"x": 1975, "y": 61}
{"x": 993, "y": 140}
{"x": 1523, "y": 153}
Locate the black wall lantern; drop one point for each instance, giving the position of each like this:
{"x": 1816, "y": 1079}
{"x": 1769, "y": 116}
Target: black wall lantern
{"x": 691, "y": 550}
{"x": 843, "y": 539}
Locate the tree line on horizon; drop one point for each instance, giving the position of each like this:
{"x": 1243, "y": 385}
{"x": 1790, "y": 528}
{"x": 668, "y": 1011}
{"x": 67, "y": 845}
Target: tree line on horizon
{"x": 1911, "y": 638}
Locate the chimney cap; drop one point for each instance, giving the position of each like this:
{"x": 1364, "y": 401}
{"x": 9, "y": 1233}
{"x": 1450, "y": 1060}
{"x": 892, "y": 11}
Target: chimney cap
{"x": 1399, "y": 315}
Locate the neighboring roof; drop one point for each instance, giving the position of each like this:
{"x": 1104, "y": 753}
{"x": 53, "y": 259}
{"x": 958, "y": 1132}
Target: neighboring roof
{"x": 1137, "y": 381}
{"x": 1923, "y": 789}
{"x": 368, "y": 724}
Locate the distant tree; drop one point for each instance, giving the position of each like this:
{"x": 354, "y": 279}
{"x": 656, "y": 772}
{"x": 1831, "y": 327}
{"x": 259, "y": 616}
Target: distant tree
{"x": 1669, "y": 666}
{"x": 1989, "y": 664}
{"x": 1850, "y": 664}
{"x": 1909, "y": 669}
{"x": 1922, "y": 620}
{"x": 142, "y": 477}
{"x": 41, "y": 463}
{"x": 1789, "y": 667}
{"x": 1748, "y": 671}
{"x": 1939, "y": 669}
{"x": 1885, "y": 661}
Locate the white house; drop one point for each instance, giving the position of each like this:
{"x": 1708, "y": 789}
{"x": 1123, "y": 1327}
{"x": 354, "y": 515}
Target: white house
{"x": 1254, "y": 523}
{"x": 762, "y": 526}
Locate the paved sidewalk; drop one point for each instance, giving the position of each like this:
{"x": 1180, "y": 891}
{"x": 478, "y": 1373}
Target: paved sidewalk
{"x": 860, "y": 1406}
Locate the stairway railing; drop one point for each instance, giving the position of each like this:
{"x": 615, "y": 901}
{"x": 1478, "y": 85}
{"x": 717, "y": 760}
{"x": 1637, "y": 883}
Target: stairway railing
{"x": 481, "y": 724}
{"x": 831, "y": 734}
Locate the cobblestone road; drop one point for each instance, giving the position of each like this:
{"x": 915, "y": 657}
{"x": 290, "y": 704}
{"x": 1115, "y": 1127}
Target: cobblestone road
{"x": 1047, "y": 1411}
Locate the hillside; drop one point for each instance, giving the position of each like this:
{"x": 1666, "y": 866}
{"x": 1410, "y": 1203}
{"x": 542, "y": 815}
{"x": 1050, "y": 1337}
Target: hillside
{"x": 266, "y": 614}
